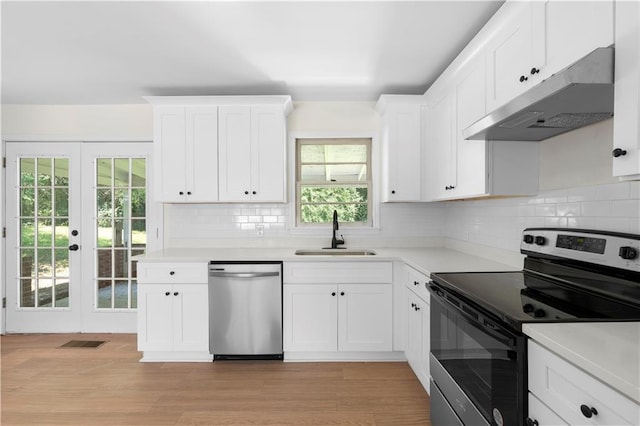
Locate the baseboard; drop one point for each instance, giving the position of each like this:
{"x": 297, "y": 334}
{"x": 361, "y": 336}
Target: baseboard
{"x": 344, "y": 356}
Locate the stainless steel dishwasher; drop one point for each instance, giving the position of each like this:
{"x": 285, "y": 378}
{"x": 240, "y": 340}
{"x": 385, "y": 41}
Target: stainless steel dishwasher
{"x": 245, "y": 310}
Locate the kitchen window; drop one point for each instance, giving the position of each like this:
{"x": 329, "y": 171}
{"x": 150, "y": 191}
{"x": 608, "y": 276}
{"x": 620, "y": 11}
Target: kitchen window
{"x": 333, "y": 174}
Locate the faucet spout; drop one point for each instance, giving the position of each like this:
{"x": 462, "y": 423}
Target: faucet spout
{"x": 335, "y": 242}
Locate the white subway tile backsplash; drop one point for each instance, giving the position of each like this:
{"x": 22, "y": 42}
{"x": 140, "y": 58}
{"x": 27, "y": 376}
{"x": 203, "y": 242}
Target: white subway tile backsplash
{"x": 546, "y": 210}
{"x": 597, "y": 208}
{"x": 616, "y": 191}
{"x": 626, "y": 208}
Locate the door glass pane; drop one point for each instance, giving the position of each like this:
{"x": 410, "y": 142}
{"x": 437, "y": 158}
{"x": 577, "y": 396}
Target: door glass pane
{"x": 43, "y": 225}
{"x": 120, "y": 195}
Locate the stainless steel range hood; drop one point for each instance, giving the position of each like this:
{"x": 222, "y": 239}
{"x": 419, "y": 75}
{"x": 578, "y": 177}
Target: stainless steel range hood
{"x": 579, "y": 95}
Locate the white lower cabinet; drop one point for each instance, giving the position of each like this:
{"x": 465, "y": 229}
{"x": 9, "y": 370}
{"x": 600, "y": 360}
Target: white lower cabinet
{"x": 572, "y": 395}
{"x": 344, "y": 308}
{"x": 173, "y": 312}
{"x": 337, "y": 317}
{"x": 418, "y": 326}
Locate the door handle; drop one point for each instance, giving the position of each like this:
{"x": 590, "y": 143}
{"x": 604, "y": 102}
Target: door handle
{"x": 243, "y": 274}
{"x": 74, "y": 247}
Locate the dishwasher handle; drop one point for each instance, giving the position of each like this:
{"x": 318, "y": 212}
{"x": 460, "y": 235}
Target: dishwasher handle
{"x": 243, "y": 274}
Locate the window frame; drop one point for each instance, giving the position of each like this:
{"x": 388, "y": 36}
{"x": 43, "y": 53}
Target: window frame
{"x": 368, "y": 142}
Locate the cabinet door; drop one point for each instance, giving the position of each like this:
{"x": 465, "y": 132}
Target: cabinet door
{"x": 310, "y": 317}
{"x": 442, "y": 149}
{"x": 414, "y": 332}
{"x": 155, "y": 317}
{"x": 170, "y": 154}
{"x": 268, "y": 154}
{"x": 234, "y": 161}
{"x": 365, "y": 317}
{"x": 626, "y": 126}
{"x": 565, "y": 31}
{"x": 470, "y": 106}
{"x": 202, "y": 154}
{"x": 191, "y": 317}
{"x": 542, "y": 415}
{"x": 509, "y": 55}
{"x": 401, "y": 154}
{"x": 425, "y": 339}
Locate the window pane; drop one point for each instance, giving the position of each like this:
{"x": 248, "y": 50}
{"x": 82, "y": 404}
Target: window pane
{"x": 138, "y": 202}
{"x": 339, "y": 153}
{"x": 139, "y": 172}
{"x": 27, "y": 293}
{"x": 104, "y": 172}
{"x": 45, "y": 268}
{"x": 27, "y": 232}
{"x": 334, "y": 173}
{"x": 104, "y": 264}
{"x": 121, "y": 172}
{"x": 323, "y": 213}
{"x": 61, "y": 202}
{"x": 122, "y": 294}
{"x": 27, "y": 201}
{"x": 103, "y": 200}
{"x": 27, "y": 263}
{"x": 44, "y": 171}
{"x": 45, "y": 233}
{"x": 44, "y": 201}
{"x": 62, "y": 293}
{"x": 27, "y": 171}
{"x": 121, "y": 201}
{"x": 138, "y": 233}
{"x": 61, "y": 262}
{"x": 105, "y": 233}
{"x": 333, "y": 194}
{"x": 61, "y": 170}
{"x": 121, "y": 264}
{"x": 134, "y": 294}
{"x": 121, "y": 233}
{"x": 61, "y": 232}
{"x": 104, "y": 293}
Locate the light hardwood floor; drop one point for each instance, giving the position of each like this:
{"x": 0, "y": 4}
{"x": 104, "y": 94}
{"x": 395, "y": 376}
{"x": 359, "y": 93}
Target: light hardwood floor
{"x": 44, "y": 384}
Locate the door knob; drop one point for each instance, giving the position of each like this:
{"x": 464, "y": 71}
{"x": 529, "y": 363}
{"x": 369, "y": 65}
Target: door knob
{"x": 74, "y": 247}
{"x": 619, "y": 152}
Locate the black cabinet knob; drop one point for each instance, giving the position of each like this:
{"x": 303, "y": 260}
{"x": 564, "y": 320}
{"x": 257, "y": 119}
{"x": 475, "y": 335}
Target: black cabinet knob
{"x": 523, "y": 78}
{"x": 535, "y": 70}
{"x": 619, "y": 152}
{"x": 254, "y": 192}
{"x": 342, "y": 293}
{"x": 628, "y": 253}
{"x": 531, "y": 422}
{"x": 167, "y": 293}
{"x": 74, "y": 247}
{"x": 181, "y": 193}
{"x": 393, "y": 191}
{"x": 175, "y": 293}
{"x": 172, "y": 273}
{"x": 540, "y": 240}
{"x": 587, "y": 411}
{"x": 188, "y": 192}
{"x": 333, "y": 293}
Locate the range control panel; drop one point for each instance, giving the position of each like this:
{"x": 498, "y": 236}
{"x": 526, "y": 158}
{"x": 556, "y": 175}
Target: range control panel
{"x": 603, "y": 248}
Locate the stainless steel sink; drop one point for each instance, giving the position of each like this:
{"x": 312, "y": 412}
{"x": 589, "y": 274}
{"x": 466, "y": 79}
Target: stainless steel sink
{"x": 335, "y": 252}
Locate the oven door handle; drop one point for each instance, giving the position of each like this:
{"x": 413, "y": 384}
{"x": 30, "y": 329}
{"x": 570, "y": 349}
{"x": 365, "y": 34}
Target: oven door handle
{"x": 474, "y": 317}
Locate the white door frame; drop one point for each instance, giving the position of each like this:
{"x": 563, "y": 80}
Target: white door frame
{"x": 154, "y": 231}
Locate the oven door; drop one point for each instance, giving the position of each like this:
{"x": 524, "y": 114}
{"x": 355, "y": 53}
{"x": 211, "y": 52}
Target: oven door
{"x": 478, "y": 365}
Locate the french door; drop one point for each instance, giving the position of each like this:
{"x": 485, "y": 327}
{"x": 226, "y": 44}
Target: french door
{"x": 76, "y": 214}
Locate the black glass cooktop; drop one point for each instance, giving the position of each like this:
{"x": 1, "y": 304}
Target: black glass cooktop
{"x": 520, "y": 297}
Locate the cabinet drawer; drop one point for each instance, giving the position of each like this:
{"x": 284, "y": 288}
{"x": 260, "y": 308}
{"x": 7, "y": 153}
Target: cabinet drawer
{"x": 542, "y": 414}
{"x": 169, "y": 273}
{"x": 338, "y": 272}
{"x": 417, "y": 282}
{"x": 564, "y": 388}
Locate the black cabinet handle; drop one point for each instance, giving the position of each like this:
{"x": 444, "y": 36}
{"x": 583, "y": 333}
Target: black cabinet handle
{"x": 523, "y": 79}
{"x": 167, "y": 293}
{"x": 172, "y": 273}
{"x": 416, "y": 283}
{"x": 181, "y": 193}
{"x": 531, "y": 422}
{"x": 254, "y": 192}
{"x": 619, "y": 152}
{"x": 333, "y": 293}
{"x": 74, "y": 247}
{"x": 188, "y": 192}
{"x": 176, "y": 293}
{"x": 413, "y": 305}
{"x": 342, "y": 293}
{"x": 587, "y": 411}
{"x": 535, "y": 70}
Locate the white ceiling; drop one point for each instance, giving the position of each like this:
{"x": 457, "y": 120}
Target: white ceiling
{"x": 116, "y": 52}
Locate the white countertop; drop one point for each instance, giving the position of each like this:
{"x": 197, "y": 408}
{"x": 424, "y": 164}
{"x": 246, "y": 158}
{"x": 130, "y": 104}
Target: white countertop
{"x": 425, "y": 260}
{"x": 609, "y": 351}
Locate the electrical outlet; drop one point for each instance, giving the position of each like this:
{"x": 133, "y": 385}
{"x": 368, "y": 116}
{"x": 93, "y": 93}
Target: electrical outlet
{"x": 260, "y": 230}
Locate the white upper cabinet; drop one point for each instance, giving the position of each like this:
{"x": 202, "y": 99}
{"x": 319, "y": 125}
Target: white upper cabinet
{"x": 626, "y": 122}
{"x": 440, "y": 143}
{"x": 186, "y": 153}
{"x": 401, "y": 147}
{"x": 509, "y": 54}
{"x": 252, "y": 147}
{"x": 220, "y": 148}
{"x": 565, "y": 31}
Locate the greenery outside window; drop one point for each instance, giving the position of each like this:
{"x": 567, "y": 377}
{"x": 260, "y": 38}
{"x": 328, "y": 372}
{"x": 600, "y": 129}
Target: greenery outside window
{"x": 333, "y": 174}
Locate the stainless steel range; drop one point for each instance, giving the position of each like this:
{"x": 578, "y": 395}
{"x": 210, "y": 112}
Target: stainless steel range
{"x": 478, "y": 351}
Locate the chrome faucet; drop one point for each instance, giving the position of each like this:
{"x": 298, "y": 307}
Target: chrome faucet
{"x": 335, "y": 242}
